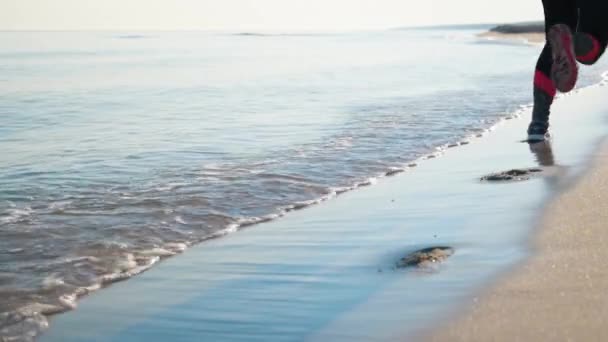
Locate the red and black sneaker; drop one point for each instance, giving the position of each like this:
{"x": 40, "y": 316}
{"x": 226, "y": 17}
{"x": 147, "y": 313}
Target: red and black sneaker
{"x": 564, "y": 71}
{"x": 587, "y": 48}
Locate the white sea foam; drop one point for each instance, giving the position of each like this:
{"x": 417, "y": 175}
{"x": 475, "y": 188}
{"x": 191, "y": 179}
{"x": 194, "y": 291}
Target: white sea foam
{"x": 21, "y": 326}
{"x": 160, "y": 252}
{"x": 15, "y": 215}
{"x": 231, "y": 228}
{"x": 170, "y": 186}
{"x": 30, "y": 320}
{"x": 59, "y": 205}
{"x": 129, "y": 272}
{"x": 52, "y": 281}
{"x": 126, "y": 263}
{"x": 176, "y": 247}
{"x": 68, "y": 301}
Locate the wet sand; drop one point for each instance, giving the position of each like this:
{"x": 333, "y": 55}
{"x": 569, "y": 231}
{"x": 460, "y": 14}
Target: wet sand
{"x": 328, "y": 272}
{"x": 560, "y": 294}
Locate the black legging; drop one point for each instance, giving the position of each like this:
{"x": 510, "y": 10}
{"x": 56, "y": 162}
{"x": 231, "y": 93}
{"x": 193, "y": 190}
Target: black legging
{"x": 583, "y": 17}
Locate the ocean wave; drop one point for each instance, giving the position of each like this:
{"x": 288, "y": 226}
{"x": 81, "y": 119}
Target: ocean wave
{"x": 122, "y": 261}
{"x": 29, "y": 320}
{"x": 15, "y": 215}
{"x": 75, "y": 236}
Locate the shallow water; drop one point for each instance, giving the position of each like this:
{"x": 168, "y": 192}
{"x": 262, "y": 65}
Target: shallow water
{"x": 119, "y": 149}
{"x": 329, "y": 273}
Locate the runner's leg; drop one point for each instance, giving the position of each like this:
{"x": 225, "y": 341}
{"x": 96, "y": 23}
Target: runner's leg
{"x": 556, "y": 12}
{"x": 592, "y": 37}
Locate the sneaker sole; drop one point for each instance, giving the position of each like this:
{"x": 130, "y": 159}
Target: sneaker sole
{"x": 564, "y": 70}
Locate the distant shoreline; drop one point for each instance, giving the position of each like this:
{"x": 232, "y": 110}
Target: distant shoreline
{"x": 530, "y": 38}
{"x": 530, "y": 32}
{"x": 520, "y": 28}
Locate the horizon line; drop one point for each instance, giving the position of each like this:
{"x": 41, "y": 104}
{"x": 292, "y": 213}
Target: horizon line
{"x": 424, "y": 26}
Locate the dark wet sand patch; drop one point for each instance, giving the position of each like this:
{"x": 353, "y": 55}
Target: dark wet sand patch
{"x": 394, "y": 172}
{"x": 512, "y": 175}
{"x": 426, "y": 257}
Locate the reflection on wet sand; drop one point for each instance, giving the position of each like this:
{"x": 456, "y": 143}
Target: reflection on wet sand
{"x": 543, "y": 153}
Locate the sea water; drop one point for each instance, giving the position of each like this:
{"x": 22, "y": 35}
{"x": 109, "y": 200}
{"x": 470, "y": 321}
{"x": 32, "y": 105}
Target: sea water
{"x": 118, "y": 149}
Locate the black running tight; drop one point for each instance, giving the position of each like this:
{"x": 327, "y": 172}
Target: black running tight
{"x": 588, "y": 21}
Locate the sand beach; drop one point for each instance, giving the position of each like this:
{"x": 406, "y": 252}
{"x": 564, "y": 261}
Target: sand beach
{"x": 530, "y": 37}
{"x": 528, "y": 32}
{"x": 559, "y": 294}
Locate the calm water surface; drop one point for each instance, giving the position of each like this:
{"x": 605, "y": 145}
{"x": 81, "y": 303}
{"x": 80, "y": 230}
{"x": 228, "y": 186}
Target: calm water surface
{"x": 119, "y": 149}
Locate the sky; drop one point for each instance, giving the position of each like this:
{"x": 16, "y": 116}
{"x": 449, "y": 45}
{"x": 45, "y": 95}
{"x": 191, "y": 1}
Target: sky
{"x": 256, "y": 14}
